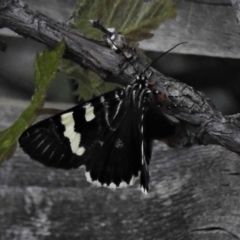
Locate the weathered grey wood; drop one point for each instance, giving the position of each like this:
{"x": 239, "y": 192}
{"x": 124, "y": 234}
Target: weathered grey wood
{"x": 236, "y": 6}
{"x": 194, "y": 194}
{"x": 210, "y": 28}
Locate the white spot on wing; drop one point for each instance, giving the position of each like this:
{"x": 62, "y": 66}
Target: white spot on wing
{"x": 75, "y": 142}
{"x": 74, "y": 137}
{"x": 69, "y": 127}
{"x": 80, "y": 151}
{"x": 88, "y": 177}
{"x": 123, "y": 185}
{"x": 70, "y": 134}
{"x": 112, "y": 185}
{"x": 97, "y": 183}
{"x": 89, "y": 114}
{"x": 67, "y": 118}
{"x": 132, "y": 181}
{"x": 144, "y": 190}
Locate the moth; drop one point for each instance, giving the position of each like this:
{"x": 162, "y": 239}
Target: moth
{"x": 108, "y": 135}
{"x": 105, "y": 134}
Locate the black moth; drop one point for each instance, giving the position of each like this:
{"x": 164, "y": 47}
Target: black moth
{"x": 109, "y": 135}
{"x": 105, "y": 134}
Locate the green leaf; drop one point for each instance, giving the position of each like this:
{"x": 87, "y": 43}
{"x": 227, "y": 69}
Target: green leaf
{"x": 45, "y": 67}
{"x": 134, "y": 18}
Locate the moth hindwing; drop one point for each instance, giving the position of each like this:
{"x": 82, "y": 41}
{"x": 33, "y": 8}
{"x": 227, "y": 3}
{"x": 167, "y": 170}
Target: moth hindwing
{"x": 106, "y": 135}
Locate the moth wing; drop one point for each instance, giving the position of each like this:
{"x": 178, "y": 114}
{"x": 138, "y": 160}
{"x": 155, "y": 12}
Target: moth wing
{"x": 103, "y": 134}
{"x": 63, "y": 141}
{"x": 121, "y": 155}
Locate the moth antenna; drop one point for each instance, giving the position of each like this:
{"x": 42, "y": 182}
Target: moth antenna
{"x": 97, "y": 24}
{"x": 163, "y": 55}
